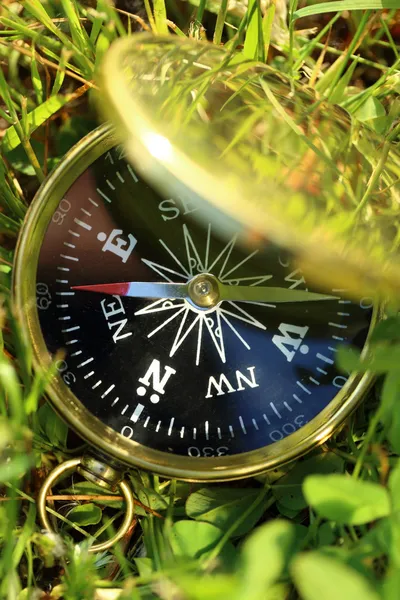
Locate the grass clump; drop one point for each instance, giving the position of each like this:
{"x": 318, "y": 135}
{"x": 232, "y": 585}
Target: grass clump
{"x": 326, "y": 526}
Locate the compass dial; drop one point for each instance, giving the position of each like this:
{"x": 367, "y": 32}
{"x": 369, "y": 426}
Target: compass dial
{"x": 174, "y": 337}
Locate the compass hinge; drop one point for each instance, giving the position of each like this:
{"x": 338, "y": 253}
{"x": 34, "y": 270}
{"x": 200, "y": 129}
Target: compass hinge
{"x": 99, "y": 472}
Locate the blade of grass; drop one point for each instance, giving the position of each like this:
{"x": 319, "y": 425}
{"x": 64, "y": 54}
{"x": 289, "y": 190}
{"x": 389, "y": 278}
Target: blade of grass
{"x": 308, "y": 49}
{"x": 287, "y": 118}
{"x": 38, "y": 11}
{"x": 236, "y": 39}
{"x": 336, "y": 52}
{"x": 200, "y": 10}
{"x": 78, "y": 32}
{"x": 18, "y": 126}
{"x": 219, "y": 26}
{"x": 389, "y": 37}
{"x": 254, "y": 42}
{"x": 150, "y": 16}
{"x": 36, "y": 80}
{"x": 108, "y": 8}
{"x": 34, "y": 119}
{"x": 293, "y": 6}
{"x": 268, "y": 21}
{"x": 61, "y": 71}
{"x": 160, "y": 17}
{"x": 340, "y": 5}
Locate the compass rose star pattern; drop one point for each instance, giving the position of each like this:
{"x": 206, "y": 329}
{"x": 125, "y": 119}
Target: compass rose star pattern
{"x": 215, "y": 322}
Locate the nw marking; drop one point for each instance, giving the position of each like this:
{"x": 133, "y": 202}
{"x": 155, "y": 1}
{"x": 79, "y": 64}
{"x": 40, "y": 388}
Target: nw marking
{"x": 223, "y": 386}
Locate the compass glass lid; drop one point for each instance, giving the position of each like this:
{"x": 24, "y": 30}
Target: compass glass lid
{"x": 265, "y": 155}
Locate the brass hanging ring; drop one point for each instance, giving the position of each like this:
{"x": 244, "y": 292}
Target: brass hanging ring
{"x": 67, "y": 467}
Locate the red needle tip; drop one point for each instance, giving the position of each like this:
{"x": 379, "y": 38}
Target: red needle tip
{"x": 119, "y": 289}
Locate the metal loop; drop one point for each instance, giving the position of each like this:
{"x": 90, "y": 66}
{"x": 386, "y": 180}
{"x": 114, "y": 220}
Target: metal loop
{"x": 67, "y": 467}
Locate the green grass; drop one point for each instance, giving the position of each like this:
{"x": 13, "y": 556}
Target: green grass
{"x": 325, "y": 527}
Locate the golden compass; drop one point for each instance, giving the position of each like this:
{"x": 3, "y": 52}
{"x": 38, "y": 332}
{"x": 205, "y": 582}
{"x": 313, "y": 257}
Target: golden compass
{"x": 201, "y": 276}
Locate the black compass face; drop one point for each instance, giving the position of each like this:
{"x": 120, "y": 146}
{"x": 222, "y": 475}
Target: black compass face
{"x": 158, "y": 357}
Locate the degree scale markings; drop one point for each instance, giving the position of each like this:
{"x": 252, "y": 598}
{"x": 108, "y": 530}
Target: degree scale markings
{"x": 230, "y": 323}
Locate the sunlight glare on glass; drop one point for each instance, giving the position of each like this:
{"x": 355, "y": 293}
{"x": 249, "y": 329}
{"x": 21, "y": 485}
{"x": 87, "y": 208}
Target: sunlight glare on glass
{"x": 158, "y": 146}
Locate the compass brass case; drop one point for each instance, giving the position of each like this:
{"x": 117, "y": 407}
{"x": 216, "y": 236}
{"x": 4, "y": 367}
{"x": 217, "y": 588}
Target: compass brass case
{"x": 92, "y": 429}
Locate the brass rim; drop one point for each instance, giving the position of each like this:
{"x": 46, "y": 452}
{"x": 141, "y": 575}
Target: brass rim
{"x": 92, "y": 429}
{"x": 68, "y": 467}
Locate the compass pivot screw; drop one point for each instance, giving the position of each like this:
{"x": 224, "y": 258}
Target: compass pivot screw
{"x": 204, "y": 291}
{"x": 202, "y": 288}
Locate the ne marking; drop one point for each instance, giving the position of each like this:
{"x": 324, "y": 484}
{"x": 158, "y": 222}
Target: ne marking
{"x": 278, "y": 414}
{"x": 242, "y": 425}
{"x": 93, "y": 202}
{"x": 76, "y": 353}
{"x": 336, "y": 337}
{"x": 297, "y": 399}
{"x": 338, "y": 325}
{"x": 115, "y": 402}
{"x": 123, "y": 411}
{"x": 158, "y": 426}
{"x": 62, "y": 305}
{"x": 110, "y": 185}
{"x": 62, "y": 281}
{"x": 255, "y": 424}
{"x": 64, "y": 318}
{"x": 325, "y": 359}
{"x": 266, "y": 419}
{"x": 74, "y": 233}
{"x": 194, "y": 433}
{"x": 69, "y": 245}
{"x": 182, "y": 433}
{"x": 67, "y": 257}
{"x": 322, "y": 371}
{"x": 86, "y": 362}
{"x": 206, "y": 429}
{"x": 71, "y": 342}
{"x": 332, "y": 348}
{"x": 75, "y": 328}
{"x": 89, "y": 375}
{"x": 342, "y": 314}
{"x": 108, "y": 391}
{"x": 132, "y": 173}
{"x": 86, "y": 212}
{"x": 231, "y": 431}
{"x": 146, "y": 422}
{"x": 219, "y": 433}
{"x": 66, "y": 269}
{"x": 171, "y": 424}
{"x": 96, "y": 384}
{"x": 118, "y": 174}
{"x": 83, "y": 224}
{"x": 103, "y": 195}
{"x": 303, "y": 387}
{"x": 289, "y": 408}
{"x": 137, "y": 412}
{"x": 344, "y": 301}
{"x": 315, "y": 381}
